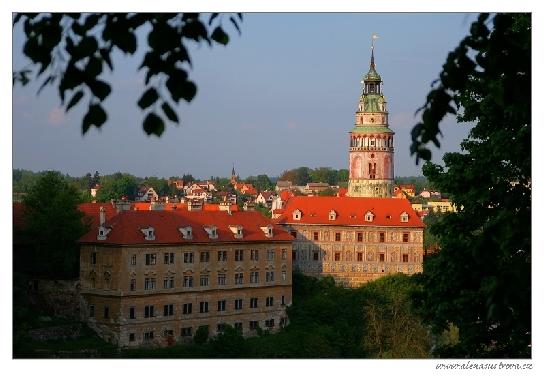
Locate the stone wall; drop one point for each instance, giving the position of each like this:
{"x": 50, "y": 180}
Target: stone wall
{"x": 56, "y": 297}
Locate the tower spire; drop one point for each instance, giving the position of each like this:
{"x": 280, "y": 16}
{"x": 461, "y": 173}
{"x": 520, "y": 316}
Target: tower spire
{"x": 373, "y": 37}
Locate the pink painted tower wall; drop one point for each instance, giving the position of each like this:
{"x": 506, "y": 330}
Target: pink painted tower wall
{"x": 371, "y": 155}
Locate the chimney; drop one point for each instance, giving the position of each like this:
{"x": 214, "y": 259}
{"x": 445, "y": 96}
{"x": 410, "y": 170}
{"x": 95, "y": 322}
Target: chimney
{"x": 102, "y": 216}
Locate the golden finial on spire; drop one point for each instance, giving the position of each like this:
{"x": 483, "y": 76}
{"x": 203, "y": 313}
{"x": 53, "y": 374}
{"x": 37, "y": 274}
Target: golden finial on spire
{"x": 373, "y": 37}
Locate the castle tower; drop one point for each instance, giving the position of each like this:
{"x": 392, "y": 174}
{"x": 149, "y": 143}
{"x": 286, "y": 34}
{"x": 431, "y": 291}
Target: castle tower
{"x": 371, "y": 162}
{"x": 234, "y": 176}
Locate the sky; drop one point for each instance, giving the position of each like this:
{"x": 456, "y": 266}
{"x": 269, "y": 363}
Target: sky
{"x": 279, "y": 96}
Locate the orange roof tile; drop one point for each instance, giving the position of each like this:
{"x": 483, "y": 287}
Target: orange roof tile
{"x": 126, "y": 227}
{"x": 350, "y": 211}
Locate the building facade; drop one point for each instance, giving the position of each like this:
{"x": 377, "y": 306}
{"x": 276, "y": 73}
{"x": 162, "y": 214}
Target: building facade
{"x": 155, "y": 277}
{"x": 355, "y": 240}
{"x": 371, "y": 155}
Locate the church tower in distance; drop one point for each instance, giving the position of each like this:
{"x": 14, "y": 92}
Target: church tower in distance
{"x": 371, "y": 163}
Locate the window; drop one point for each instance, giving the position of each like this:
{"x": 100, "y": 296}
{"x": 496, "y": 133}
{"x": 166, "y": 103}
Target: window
{"x": 405, "y": 258}
{"x": 239, "y": 278}
{"x": 222, "y": 279}
{"x": 254, "y": 254}
{"x": 187, "y": 308}
{"x": 106, "y": 312}
{"x": 360, "y": 237}
{"x": 338, "y": 236}
{"x": 238, "y": 304}
{"x": 203, "y": 307}
{"x": 284, "y": 275}
{"x": 188, "y": 281}
{"x": 149, "y": 311}
{"x": 168, "y": 310}
{"x": 316, "y": 255}
{"x": 167, "y": 333}
{"x": 93, "y": 283}
{"x": 315, "y": 236}
{"x": 186, "y": 331}
{"x": 149, "y": 283}
{"x": 238, "y": 326}
{"x": 132, "y": 313}
{"x": 254, "y": 324}
{"x": 205, "y": 257}
{"x": 253, "y": 302}
{"x": 369, "y": 216}
{"x": 337, "y": 256}
{"x": 270, "y": 254}
{"x": 239, "y": 254}
{"x": 360, "y": 256}
{"x": 132, "y": 337}
{"x": 148, "y": 335}
{"x": 269, "y": 323}
{"x": 204, "y": 280}
{"x": 381, "y": 257}
{"x": 220, "y": 327}
{"x": 133, "y": 285}
{"x": 293, "y": 254}
{"x": 151, "y": 258}
{"x": 169, "y": 258}
{"x": 254, "y": 277}
{"x": 269, "y": 276}
{"x": 284, "y": 253}
{"x": 91, "y": 310}
{"x": 405, "y": 237}
{"x": 133, "y": 262}
{"x": 221, "y": 305}
{"x": 222, "y": 255}
{"x": 293, "y": 233}
{"x": 382, "y": 237}
{"x": 283, "y": 300}
{"x": 168, "y": 282}
{"x": 93, "y": 258}
{"x": 188, "y": 257}
{"x": 269, "y": 301}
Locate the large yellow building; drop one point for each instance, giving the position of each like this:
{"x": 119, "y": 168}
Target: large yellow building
{"x": 353, "y": 239}
{"x": 155, "y": 277}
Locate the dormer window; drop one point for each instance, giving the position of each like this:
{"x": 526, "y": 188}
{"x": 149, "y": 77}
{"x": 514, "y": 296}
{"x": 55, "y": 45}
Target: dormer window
{"x": 369, "y": 216}
{"x": 103, "y": 232}
{"x": 332, "y": 215}
{"x": 149, "y": 233}
{"x": 212, "y": 231}
{"x": 187, "y": 232}
{"x": 297, "y": 214}
{"x": 237, "y": 231}
{"x": 404, "y": 217}
{"x": 268, "y": 230}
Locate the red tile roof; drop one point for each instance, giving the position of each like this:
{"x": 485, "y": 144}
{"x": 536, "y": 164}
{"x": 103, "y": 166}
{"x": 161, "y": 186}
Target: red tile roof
{"x": 92, "y": 209}
{"x": 285, "y": 195}
{"x": 350, "y": 211}
{"x": 126, "y": 227}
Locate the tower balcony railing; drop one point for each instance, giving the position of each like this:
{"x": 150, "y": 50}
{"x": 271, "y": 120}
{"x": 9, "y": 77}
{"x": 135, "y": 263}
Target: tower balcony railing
{"x": 372, "y": 148}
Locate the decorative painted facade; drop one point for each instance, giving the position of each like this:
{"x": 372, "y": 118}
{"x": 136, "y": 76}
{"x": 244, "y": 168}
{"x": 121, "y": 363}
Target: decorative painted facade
{"x": 353, "y": 239}
{"x": 155, "y": 277}
{"x": 371, "y": 155}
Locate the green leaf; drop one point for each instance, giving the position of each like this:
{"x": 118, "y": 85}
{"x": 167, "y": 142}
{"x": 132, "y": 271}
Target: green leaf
{"x": 188, "y": 91}
{"x": 169, "y": 112}
{"x": 106, "y": 57}
{"x": 96, "y": 116}
{"x": 220, "y": 36}
{"x": 153, "y": 124}
{"x": 99, "y": 88}
{"x": 149, "y": 97}
{"x": 74, "y": 100}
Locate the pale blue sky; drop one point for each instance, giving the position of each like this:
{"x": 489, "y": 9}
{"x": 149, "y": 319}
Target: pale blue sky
{"x": 281, "y": 95}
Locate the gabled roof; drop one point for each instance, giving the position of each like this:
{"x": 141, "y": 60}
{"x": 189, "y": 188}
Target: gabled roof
{"x": 350, "y": 211}
{"x": 126, "y": 227}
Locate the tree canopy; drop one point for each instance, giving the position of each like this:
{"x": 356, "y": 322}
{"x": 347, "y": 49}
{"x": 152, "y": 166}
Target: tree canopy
{"x": 53, "y": 224}
{"x": 479, "y": 280}
{"x": 73, "y": 50}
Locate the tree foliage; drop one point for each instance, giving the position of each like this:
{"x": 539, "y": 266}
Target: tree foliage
{"x": 116, "y": 186}
{"x": 73, "y": 51}
{"x": 53, "y": 224}
{"x": 480, "y": 279}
